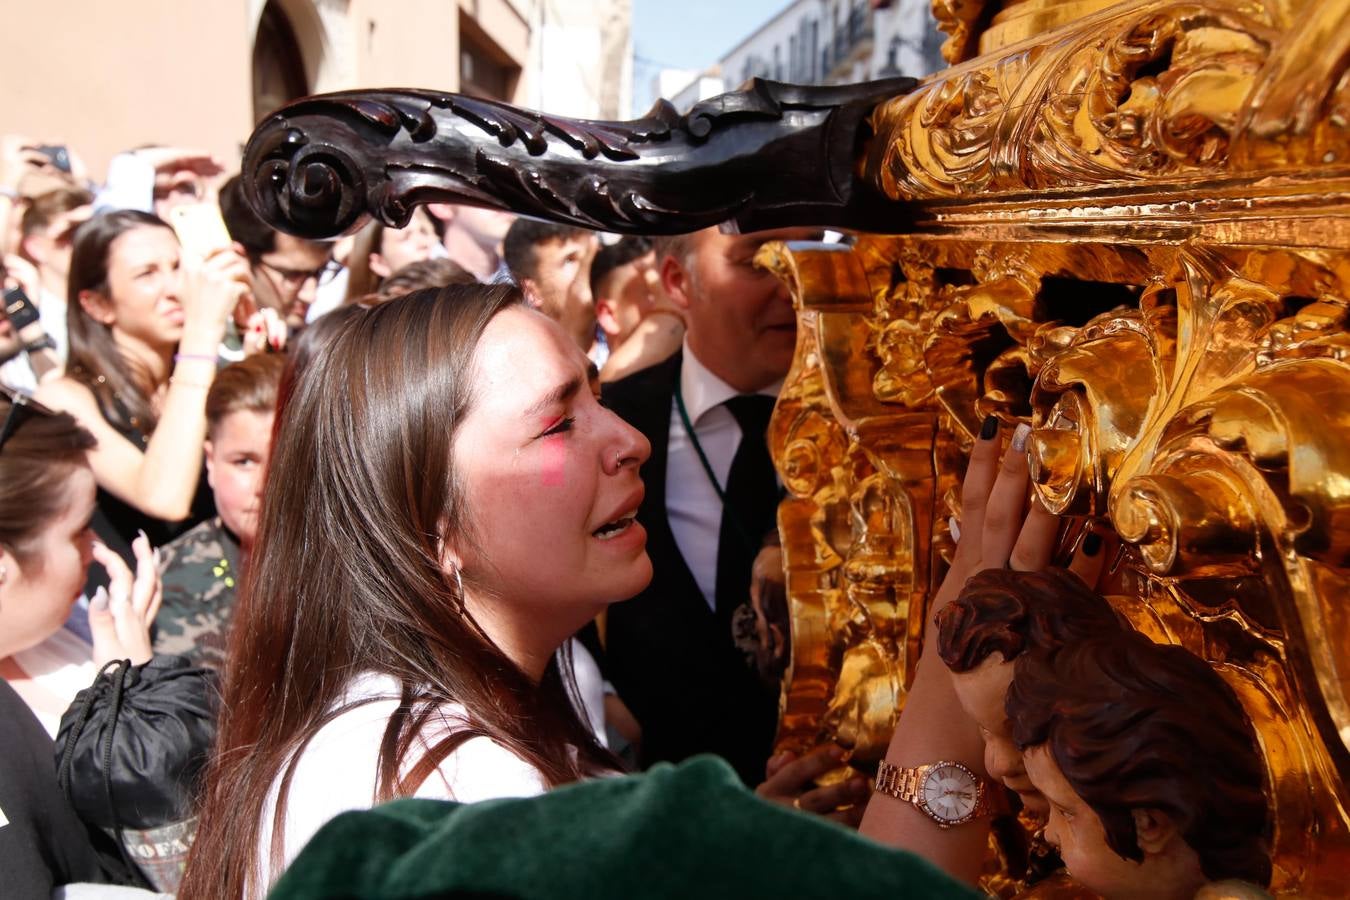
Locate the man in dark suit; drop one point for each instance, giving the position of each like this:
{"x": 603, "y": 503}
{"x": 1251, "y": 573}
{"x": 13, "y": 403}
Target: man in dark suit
{"x": 711, "y": 500}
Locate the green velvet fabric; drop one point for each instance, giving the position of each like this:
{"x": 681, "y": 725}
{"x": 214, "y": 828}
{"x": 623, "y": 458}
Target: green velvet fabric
{"x": 686, "y": 831}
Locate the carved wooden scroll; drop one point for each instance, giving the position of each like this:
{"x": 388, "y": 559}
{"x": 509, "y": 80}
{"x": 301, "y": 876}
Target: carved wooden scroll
{"x": 767, "y": 155}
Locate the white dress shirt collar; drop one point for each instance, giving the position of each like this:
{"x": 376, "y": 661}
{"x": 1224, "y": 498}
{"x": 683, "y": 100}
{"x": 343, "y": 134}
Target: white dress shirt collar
{"x": 703, "y": 391}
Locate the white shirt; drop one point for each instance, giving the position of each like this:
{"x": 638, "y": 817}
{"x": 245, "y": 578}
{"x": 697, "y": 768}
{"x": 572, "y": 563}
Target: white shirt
{"x": 591, "y": 690}
{"x": 692, "y": 504}
{"x": 338, "y": 767}
{"x": 17, "y": 374}
{"x": 52, "y": 315}
{"x": 329, "y": 296}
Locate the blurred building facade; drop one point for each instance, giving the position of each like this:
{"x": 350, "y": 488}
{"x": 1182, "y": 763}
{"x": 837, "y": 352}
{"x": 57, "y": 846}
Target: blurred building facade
{"x": 826, "y": 42}
{"x": 105, "y": 77}
{"x": 698, "y": 86}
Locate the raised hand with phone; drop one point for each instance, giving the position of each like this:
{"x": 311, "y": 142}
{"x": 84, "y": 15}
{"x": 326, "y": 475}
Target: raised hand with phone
{"x": 213, "y": 290}
{"x": 144, "y": 343}
{"x": 202, "y": 233}
{"x": 23, "y": 332}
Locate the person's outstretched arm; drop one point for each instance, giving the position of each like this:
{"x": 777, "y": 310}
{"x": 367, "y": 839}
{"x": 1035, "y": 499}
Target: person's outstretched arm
{"x": 161, "y": 480}
{"x": 996, "y": 530}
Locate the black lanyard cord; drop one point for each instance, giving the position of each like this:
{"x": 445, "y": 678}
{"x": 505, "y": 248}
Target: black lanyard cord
{"x": 736, "y": 519}
{"x": 698, "y": 447}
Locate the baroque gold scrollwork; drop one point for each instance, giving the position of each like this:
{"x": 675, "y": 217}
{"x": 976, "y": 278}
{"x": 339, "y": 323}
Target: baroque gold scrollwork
{"x": 958, "y": 18}
{"x": 1157, "y": 91}
{"x": 1162, "y": 97}
{"x": 1210, "y": 433}
{"x": 855, "y": 530}
{"x": 1194, "y": 411}
{"x": 1084, "y": 433}
{"x": 980, "y": 336}
{"x": 1131, "y": 231}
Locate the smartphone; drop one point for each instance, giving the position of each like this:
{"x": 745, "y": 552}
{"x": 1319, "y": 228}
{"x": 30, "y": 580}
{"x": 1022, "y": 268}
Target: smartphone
{"x": 19, "y": 309}
{"x": 200, "y": 229}
{"x": 58, "y": 154}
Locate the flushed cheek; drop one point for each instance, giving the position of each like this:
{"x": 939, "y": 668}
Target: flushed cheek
{"x": 553, "y": 466}
{"x": 536, "y": 507}
{"x": 238, "y": 492}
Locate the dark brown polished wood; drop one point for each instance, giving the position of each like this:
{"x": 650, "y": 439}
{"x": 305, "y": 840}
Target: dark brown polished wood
{"x": 768, "y": 155}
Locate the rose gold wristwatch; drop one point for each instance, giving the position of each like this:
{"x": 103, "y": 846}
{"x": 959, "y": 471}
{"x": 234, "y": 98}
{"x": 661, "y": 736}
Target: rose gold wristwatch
{"x": 945, "y": 791}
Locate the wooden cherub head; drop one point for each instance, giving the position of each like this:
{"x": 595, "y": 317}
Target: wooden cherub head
{"x": 999, "y": 615}
{"x": 1149, "y": 762}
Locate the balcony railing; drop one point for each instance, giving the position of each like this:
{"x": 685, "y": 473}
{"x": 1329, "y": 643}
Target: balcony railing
{"x": 856, "y": 30}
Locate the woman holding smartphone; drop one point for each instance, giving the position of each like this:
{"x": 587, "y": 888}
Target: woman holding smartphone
{"x": 144, "y": 335}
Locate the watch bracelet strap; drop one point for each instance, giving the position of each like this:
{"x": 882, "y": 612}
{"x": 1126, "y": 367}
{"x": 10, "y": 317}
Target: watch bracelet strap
{"x": 903, "y": 784}
{"x": 895, "y": 781}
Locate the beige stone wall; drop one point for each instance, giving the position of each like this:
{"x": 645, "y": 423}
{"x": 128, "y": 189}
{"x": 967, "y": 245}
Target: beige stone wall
{"x": 106, "y": 76}
{"x": 418, "y": 47}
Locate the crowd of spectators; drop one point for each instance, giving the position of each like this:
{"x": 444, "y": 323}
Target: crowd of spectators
{"x": 476, "y": 508}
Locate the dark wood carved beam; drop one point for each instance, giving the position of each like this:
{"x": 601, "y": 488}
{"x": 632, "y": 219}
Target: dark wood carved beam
{"x": 765, "y": 156}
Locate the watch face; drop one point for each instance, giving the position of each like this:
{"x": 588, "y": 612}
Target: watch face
{"x": 949, "y": 793}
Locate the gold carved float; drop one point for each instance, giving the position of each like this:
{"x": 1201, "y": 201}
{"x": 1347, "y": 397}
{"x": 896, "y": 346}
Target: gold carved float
{"x": 1134, "y": 234}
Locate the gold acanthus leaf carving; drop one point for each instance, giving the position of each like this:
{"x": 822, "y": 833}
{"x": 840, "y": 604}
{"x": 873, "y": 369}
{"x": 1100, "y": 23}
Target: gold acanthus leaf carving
{"x": 1093, "y": 400}
{"x": 978, "y": 336}
{"x": 901, "y": 325}
{"x": 1104, "y": 402}
{"x": 1158, "y": 91}
{"x": 1322, "y": 328}
{"x": 958, "y": 18}
{"x": 1299, "y": 110}
{"x": 1163, "y": 96}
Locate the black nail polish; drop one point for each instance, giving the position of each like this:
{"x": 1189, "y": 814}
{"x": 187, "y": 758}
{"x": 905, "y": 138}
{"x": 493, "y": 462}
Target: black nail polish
{"x": 1092, "y": 542}
{"x": 989, "y": 428}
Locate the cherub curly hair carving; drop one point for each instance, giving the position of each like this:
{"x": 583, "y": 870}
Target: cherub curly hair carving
{"x": 1007, "y": 612}
{"x": 1138, "y": 725}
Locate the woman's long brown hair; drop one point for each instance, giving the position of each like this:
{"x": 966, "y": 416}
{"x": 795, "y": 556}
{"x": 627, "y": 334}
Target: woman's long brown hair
{"x": 120, "y": 386}
{"x": 347, "y": 578}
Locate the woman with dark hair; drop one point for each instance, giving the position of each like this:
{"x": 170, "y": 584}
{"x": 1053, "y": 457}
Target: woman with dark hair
{"x": 46, "y": 673}
{"x": 143, "y": 342}
{"x": 46, "y": 498}
{"x": 1149, "y": 763}
{"x": 449, "y": 503}
{"x": 46, "y": 495}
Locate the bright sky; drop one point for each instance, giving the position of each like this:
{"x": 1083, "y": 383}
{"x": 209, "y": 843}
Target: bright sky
{"x": 689, "y": 34}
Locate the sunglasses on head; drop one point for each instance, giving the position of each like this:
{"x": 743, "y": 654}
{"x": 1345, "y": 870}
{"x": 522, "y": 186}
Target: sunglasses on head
{"x": 21, "y": 408}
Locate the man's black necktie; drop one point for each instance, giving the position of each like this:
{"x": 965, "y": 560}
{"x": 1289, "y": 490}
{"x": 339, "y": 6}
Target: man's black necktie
{"x": 750, "y": 507}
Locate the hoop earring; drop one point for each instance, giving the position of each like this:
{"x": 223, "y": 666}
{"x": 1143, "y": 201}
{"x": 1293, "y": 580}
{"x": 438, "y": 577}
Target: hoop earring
{"x": 459, "y": 588}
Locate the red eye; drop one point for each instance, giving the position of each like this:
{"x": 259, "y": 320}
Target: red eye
{"x": 558, "y": 427}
